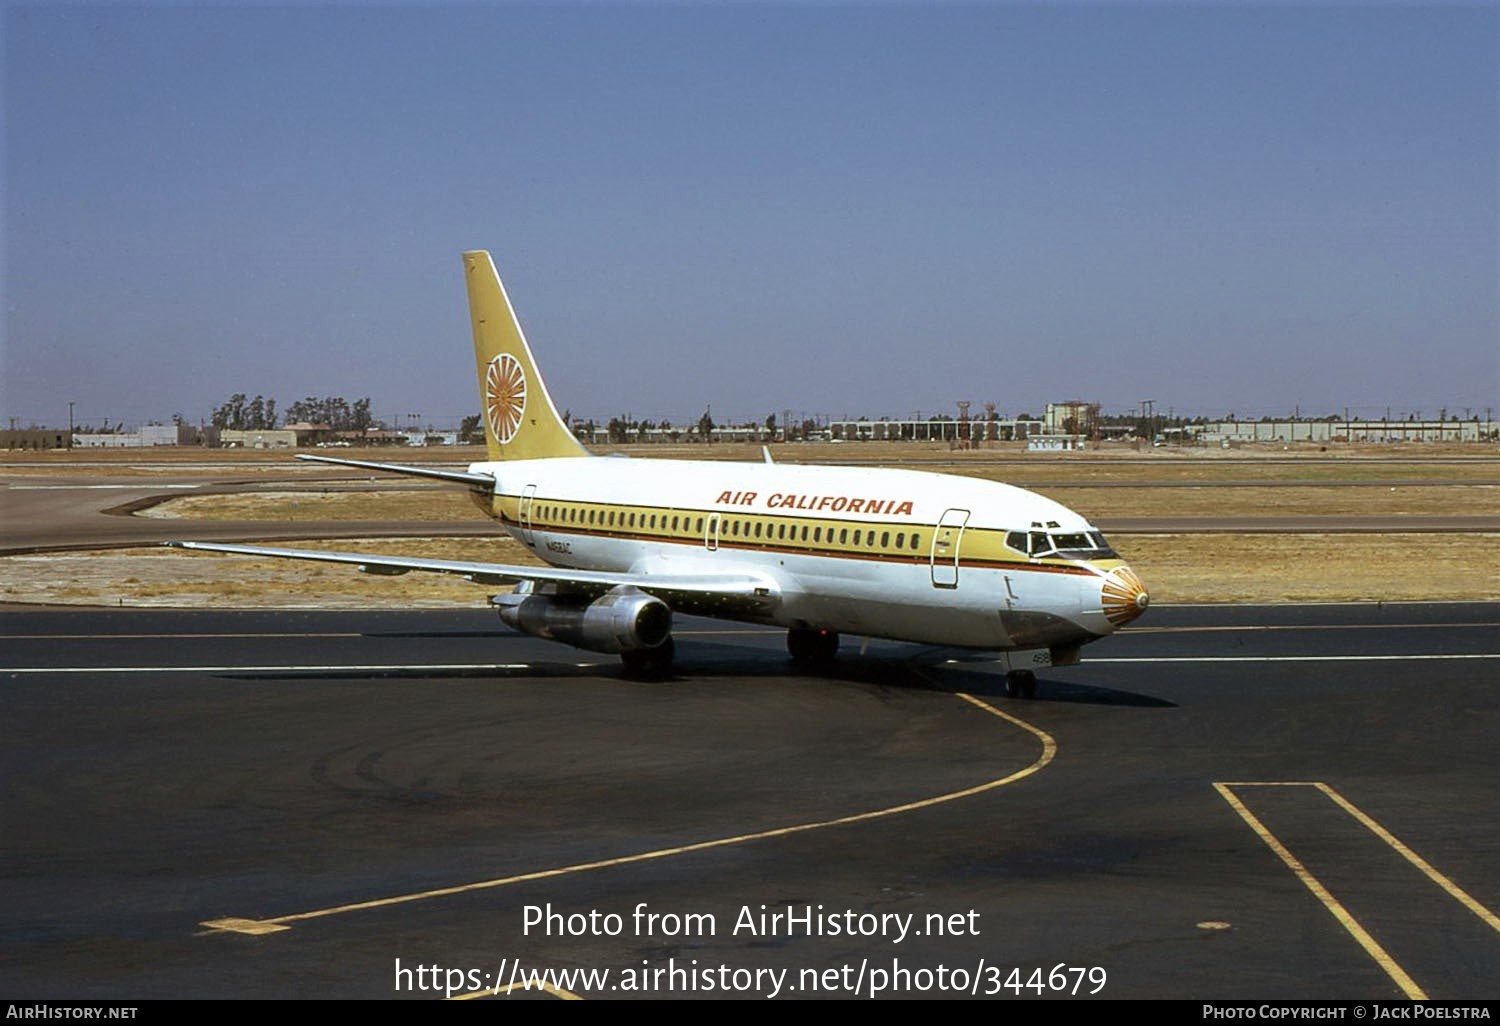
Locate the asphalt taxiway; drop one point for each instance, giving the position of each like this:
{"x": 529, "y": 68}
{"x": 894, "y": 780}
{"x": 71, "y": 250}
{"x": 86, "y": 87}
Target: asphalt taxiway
{"x": 1226, "y": 802}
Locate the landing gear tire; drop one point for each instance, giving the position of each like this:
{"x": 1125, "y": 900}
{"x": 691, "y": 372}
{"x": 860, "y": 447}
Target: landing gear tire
{"x": 811, "y": 647}
{"x": 650, "y": 663}
{"x": 1020, "y": 684}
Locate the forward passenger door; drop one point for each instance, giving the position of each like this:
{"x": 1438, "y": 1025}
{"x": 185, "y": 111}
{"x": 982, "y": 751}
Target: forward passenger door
{"x": 945, "y": 544}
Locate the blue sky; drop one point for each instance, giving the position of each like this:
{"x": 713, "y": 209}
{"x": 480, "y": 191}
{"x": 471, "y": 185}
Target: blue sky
{"x": 833, "y": 209}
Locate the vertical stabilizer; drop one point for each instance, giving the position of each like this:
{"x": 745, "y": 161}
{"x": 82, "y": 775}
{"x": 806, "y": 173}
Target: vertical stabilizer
{"x": 520, "y": 422}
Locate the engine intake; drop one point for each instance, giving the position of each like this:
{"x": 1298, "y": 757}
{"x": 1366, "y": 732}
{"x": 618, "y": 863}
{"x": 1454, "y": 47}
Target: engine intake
{"x": 623, "y": 619}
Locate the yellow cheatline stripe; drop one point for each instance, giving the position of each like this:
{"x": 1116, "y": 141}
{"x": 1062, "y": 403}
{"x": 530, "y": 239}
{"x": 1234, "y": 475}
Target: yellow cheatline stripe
{"x": 1458, "y": 893}
{"x": 1372, "y": 947}
{"x": 278, "y": 923}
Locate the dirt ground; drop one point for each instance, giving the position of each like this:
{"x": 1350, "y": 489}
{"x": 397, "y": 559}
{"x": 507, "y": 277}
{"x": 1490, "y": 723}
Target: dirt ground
{"x": 1136, "y": 501}
{"x": 1408, "y": 480}
{"x": 1189, "y": 568}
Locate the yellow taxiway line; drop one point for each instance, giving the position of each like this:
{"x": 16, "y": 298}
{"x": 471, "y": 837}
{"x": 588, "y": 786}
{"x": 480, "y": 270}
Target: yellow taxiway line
{"x": 1372, "y": 947}
{"x": 279, "y": 923}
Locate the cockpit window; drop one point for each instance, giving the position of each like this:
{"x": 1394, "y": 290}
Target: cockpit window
{"x": 1067, "y": 544}
{"x": 1081, "y": 545}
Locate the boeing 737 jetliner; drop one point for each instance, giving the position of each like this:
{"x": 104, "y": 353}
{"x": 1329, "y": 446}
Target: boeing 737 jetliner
{"x": 822, "y": 551}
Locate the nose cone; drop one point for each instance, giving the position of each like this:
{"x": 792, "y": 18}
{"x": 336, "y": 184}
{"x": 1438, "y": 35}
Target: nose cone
{"x": 1123, "y": 596}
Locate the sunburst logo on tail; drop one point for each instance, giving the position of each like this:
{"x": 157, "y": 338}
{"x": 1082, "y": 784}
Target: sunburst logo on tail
{"x": 504, "y": 396}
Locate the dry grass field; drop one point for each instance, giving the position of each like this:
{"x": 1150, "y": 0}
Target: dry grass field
{"x": 1401, "y": 481}
{"x": 1136, "y": 501}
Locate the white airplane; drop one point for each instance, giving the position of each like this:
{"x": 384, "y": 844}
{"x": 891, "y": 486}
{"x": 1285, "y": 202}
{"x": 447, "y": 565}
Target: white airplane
{"x": 822, "y": 551}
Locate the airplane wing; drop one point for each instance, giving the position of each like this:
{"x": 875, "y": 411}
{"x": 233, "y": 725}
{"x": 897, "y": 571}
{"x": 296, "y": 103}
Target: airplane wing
{"x": 484, "y": 481}
{"x": 743, "y": 592}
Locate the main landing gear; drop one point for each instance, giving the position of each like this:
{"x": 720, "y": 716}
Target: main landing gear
{"x": 650, "y": 663}
{"x": 1020, "y": 684}
{"x": 812, "y": 647}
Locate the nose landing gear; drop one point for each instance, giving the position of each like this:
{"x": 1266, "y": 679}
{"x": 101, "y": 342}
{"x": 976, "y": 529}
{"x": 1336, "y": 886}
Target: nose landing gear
{"x": 1020, "y": 684}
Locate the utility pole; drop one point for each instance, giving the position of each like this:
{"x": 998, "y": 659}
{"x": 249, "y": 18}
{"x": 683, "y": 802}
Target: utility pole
{"x": 70, "y": 423}
{"x": 1148, "y": 407}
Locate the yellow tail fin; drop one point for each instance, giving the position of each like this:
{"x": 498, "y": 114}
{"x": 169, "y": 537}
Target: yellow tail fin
{"x": 520, "y": 421}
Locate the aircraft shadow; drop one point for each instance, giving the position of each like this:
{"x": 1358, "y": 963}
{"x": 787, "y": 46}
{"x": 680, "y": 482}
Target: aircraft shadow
{"x": 908, "y": 667}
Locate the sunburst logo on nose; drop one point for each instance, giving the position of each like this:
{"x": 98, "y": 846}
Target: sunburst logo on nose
{"x": 1124, "y": 596}
{"x": 504, "y": 396}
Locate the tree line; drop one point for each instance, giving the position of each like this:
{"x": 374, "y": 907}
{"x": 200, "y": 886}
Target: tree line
{"x": 240, "y": 413}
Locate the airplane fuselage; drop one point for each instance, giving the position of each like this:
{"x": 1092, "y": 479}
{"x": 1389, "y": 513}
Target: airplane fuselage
{"x": 918, "y": 556}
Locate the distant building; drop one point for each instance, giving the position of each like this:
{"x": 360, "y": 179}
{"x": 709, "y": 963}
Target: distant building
{"x": 976, "y": 430}
{"x": 1056, "y": 443}
{"x": 421, "y": 438}
{"x": 148, "y": 436}
{"x": 306, "y": 434}
{"x": 1232, "y": 431}
{"x": 270, "y": 438}
{"x": 33, "y": 438}
{"x": 370, "y": 436}
{"x": 108, "y": 440}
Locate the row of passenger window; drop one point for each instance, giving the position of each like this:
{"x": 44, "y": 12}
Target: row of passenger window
{"x": 549, "y": 514}
{"x": 729, "y": 527}
{"x": 816, "y": 534}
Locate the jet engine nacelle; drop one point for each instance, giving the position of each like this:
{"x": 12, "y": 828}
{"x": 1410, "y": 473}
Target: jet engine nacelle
{"x": 624, "y": 619}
